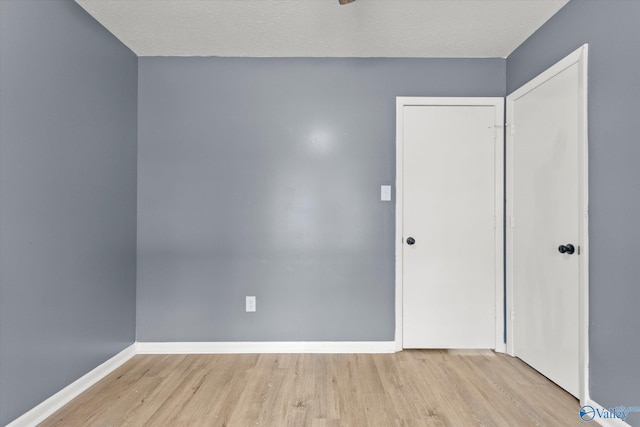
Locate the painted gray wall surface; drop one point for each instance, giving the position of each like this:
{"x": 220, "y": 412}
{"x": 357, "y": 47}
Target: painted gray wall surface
{"x": 262, "y": 177}
{"x": 68, "y": 108}
{"x": 612, "y": 31}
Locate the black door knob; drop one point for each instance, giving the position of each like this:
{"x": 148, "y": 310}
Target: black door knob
{"x": 566, "y": 249}
{"x": 411, "y": 241}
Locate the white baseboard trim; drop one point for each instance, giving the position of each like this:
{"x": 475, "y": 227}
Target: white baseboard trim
{"x": 64, "y": 396}
{"x": 265, "y": 347}
{"x": 605, "y": 422}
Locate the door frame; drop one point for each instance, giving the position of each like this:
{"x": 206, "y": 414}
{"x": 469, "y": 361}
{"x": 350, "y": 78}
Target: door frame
{"x": 498, "y": 104}
{"x": 580, "y": 57}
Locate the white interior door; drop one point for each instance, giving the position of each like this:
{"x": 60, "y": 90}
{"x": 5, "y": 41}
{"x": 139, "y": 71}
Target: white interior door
{"x": 452, "y": 163}
{"x": 545, "y": 209}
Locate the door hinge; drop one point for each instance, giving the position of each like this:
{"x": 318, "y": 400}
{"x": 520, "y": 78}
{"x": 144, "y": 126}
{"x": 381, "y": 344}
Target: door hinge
{"x": 513, "y": 315}
{"x": 512, "y": 222}
{"x": 512, "y": 128}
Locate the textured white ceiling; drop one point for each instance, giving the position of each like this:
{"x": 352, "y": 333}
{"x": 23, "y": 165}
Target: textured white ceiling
{"x": 321, "y": 28}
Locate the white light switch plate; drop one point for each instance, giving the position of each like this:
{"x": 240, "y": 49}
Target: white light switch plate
{"x": 385, "y": 193}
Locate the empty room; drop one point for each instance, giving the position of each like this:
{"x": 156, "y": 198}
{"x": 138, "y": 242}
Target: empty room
{"x": 319, "y": 213}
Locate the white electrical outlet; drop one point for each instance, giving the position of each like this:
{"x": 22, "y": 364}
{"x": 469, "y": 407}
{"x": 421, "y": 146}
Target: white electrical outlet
{"x": 251, "y": 304}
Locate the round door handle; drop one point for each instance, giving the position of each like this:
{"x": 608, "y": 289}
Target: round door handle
{"x": 566, "y": 249}
{"x": 411, "y": 241}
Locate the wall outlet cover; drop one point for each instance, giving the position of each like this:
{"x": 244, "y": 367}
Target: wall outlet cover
{"x": 250, "y": 304}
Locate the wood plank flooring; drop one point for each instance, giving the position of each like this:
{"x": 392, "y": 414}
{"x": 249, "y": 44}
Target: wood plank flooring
{"x": 426, "y": 388}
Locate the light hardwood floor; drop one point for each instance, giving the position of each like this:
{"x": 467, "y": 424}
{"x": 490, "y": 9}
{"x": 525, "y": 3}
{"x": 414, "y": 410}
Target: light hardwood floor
{"x": 410, "y": 388}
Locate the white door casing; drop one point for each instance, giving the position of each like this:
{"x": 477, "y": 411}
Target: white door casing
{"x": 449, "y": 198}
{"x": 547, "y": 206}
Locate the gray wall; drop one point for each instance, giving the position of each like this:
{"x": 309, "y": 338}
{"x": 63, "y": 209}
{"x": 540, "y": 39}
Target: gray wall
{"x": 67, "y": 198}
{"x": 612, "y": 31}
{"x": 262, "y": 177}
